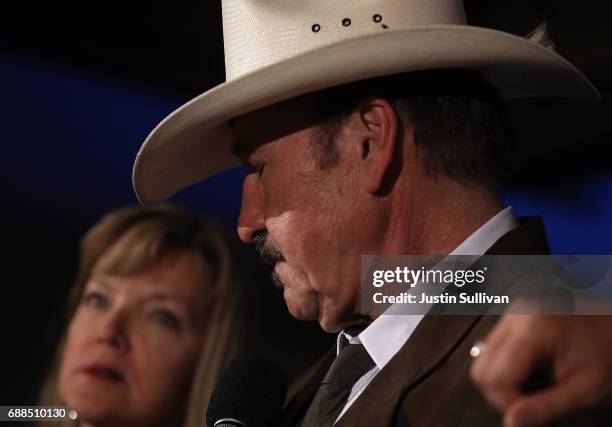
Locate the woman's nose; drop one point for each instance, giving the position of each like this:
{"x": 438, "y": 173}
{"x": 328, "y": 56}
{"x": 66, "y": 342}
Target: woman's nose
{"x": 113, "y": 329}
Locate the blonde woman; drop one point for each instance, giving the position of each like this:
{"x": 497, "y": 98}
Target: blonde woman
{"x": 153, "y": 321}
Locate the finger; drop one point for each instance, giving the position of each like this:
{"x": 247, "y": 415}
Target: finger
{"x": 508, "y": 366}
{"x": 551, "y": 404}
{"x": 489, "y": 348}
{"x": 499, "y": 398}
{"x": 483, "y": 368}
{"x": 496, "y": 382}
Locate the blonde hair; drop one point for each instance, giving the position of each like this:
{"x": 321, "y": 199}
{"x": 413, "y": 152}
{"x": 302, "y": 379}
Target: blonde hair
{"x": 133, "y": 238}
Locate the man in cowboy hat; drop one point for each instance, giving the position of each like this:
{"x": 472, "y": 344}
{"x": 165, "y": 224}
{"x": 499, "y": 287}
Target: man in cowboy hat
{"x": 366, "y": 128}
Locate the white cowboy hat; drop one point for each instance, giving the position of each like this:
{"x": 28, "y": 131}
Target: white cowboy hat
{"x": 276, "y": 50}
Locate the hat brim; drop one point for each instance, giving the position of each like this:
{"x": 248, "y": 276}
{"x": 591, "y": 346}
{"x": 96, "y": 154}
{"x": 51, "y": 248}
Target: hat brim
{"x": 193, "y": 142}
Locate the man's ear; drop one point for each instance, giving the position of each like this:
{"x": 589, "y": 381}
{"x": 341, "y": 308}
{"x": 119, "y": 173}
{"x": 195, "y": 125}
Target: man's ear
{"x": 379, "y": 123}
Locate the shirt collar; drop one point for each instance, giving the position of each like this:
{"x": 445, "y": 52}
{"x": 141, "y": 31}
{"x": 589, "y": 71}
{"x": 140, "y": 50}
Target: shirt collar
{"x": 384, "y": 337}
{"x": 490, "y": 232}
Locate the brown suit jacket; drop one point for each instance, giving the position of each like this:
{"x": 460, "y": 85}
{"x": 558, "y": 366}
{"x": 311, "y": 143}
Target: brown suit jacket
{"x": 426, "y": 383}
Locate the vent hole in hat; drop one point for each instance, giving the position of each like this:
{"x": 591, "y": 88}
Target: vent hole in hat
{"x": 315, "y": 28}
{"x": 346, "y": 22}
{"x": 377, "y": 18}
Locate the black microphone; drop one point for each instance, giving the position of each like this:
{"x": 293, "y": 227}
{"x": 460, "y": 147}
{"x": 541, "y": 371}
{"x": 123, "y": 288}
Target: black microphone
{"x": 250, "y": 393}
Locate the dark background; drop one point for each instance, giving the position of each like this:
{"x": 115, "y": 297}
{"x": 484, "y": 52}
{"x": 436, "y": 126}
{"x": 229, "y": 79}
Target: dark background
{"x": 83, "y": 84}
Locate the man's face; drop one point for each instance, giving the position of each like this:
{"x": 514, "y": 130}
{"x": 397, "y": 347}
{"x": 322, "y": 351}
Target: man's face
{"x": 310, "y": 223}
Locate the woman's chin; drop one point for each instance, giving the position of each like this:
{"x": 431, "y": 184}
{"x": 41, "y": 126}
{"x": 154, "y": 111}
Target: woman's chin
{"x": 96, "y": 408}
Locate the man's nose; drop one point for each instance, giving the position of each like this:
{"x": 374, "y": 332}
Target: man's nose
{"x": 251, "y": 219}
{"x": 113, "y": 329}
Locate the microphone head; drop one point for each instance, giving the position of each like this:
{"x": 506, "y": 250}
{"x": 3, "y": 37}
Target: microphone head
{"x": 251, "y": 390}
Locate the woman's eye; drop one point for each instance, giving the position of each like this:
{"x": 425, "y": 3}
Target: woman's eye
{"x": 95, "y": 300}
{"x": 166, "y": 318}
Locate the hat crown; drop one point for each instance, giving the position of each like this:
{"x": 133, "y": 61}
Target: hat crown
{"x": 258, "y": 33}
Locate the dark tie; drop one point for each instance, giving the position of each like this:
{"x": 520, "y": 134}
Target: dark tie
{"x": 350, "y": 364}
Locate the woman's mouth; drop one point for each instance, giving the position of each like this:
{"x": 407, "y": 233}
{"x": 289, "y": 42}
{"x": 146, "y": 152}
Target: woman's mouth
{"x": 105, "y": 373}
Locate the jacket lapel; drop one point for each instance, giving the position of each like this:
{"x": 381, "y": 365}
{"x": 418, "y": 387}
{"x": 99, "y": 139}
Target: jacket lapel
{"x": 298, "y": 404}
{"x": 434, "y": 339}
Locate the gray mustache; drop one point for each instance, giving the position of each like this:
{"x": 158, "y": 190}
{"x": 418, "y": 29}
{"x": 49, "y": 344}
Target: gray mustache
{"x": 268, "y": 253}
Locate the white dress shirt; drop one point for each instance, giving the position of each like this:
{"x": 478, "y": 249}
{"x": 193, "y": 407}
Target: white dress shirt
{"x": 386, "y": 335}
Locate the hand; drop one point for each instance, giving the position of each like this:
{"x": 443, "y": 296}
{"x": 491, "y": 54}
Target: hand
{"x": 579, "y": 351}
